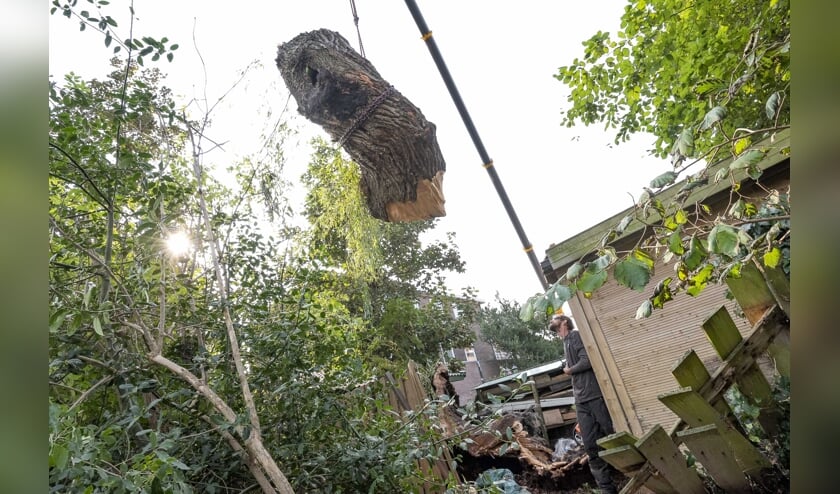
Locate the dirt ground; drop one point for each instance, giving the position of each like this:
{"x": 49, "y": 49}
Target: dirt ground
{"x": 576, "y": 482}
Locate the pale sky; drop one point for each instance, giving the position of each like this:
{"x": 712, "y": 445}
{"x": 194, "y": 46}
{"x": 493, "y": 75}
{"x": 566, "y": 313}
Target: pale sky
{"x": 501, "y": 55}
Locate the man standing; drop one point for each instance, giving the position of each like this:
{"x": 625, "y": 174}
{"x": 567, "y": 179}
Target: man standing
{"x": 592, "y": 414}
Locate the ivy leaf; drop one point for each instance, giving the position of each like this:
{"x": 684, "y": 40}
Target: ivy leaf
{"x": 723, "y": 239}
{"x": 541, "y": 305}
{"x": 693, "y": 184}
{"x": 632, "y": 273}
{"x": 666, "y": 178}
{"x": 713, "y": 116}
{"x": 747, "y": 159}
{"x": 754, "y": 172}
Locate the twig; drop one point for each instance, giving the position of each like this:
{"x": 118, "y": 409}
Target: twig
{"x": 90, "y": 390}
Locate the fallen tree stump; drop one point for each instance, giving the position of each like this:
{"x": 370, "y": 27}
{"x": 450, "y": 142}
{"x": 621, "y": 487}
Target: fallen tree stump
{"x": 395, "y": 146}
{"x": 531, "y": 451}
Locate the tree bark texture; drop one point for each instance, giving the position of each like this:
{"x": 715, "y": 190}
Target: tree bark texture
{"x": 401, "y": 163}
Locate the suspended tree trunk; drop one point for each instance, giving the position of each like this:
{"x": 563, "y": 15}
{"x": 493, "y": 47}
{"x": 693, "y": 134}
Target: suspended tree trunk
{"x": 401, "y": 164}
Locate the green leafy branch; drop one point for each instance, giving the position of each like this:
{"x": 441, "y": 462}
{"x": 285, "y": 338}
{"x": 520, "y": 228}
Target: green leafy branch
{"x": 105, "y": 24}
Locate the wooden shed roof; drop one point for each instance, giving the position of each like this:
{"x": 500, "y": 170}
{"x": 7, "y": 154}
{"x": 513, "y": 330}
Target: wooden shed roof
{"x": 560, "y": 256}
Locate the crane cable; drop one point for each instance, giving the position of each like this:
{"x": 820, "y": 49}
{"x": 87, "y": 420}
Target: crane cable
{"x": 426, "y": 35}
{"x": 356, "y": 21}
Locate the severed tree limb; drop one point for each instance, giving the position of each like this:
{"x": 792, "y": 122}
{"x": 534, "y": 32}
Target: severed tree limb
{"x": 395, "y": 146}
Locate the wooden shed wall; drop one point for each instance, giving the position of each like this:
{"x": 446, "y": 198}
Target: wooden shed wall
{"x": 638, "y": 355}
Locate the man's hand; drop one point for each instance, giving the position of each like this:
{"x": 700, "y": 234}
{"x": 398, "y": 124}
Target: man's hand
{"x": 567, "y": 370}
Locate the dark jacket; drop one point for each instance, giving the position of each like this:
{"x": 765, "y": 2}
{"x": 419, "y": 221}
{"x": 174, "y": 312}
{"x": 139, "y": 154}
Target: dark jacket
{"x": 584, "y": 383}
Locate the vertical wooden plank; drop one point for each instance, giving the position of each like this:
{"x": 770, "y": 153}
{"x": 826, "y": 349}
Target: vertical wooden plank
{"x": 658, "y": 484}
{"x": 722, "y": 333}
{"x": 714, "y": 453}
{"x": 758, "y": 289}
{"x": 663, "y": 454}
{"x": 697, "y": 412}
{"x": 724, "y": 336}
{"x": 690, "y": 372}
{"x": 780, "y": 351}
{"x": 779, "y": 285}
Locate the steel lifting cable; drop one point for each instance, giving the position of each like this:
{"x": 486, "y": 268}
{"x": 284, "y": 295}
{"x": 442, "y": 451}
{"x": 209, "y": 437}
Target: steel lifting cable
{"x": 356, "y": 21}
{"x": 426, "y": 35}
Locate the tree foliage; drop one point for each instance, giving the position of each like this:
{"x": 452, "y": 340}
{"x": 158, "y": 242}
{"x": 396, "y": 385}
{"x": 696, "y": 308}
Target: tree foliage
{"x": 200, "y": 371}
{"x": 528, "y": 343}
{"x": 710, "y": 82}
{"x": 676, "y": 66}
{"x": 383, "y": 270}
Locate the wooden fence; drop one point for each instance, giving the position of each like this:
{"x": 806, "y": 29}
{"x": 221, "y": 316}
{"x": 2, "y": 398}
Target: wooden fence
{"x": 706, "y": 426}
{"x": 409, "y": 394}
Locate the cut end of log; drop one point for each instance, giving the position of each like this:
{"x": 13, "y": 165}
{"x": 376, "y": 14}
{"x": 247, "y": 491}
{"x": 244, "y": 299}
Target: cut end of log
{"x": 429, "y": 203}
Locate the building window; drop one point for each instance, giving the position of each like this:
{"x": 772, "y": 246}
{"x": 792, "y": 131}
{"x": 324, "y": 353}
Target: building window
{"x": 501, "y": 355}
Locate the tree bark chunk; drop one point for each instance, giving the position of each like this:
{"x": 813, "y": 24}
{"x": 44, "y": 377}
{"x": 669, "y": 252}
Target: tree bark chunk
{"x": 395, "y": 146}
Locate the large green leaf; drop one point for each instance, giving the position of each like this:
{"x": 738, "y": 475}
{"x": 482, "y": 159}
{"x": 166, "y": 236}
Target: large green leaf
{"x": 632, "y": 273}
{"x": 723, "y": 239}
{"x": 675, "y": 243}
{"x": 696, "y": 253}
{"x": 559, "y": 294}
{"x": 747, "y": 159}
{"x": 685, "y": 144}
{"x": 714, "y": 115}
{"x": 662, "y": 180}
{"x": 644, "y": 310}
{"x": 772, "y": 105}
{"x": 574, "y": 271}
{"x": 699, "y": 281}
{"x": 591, "y": 281}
